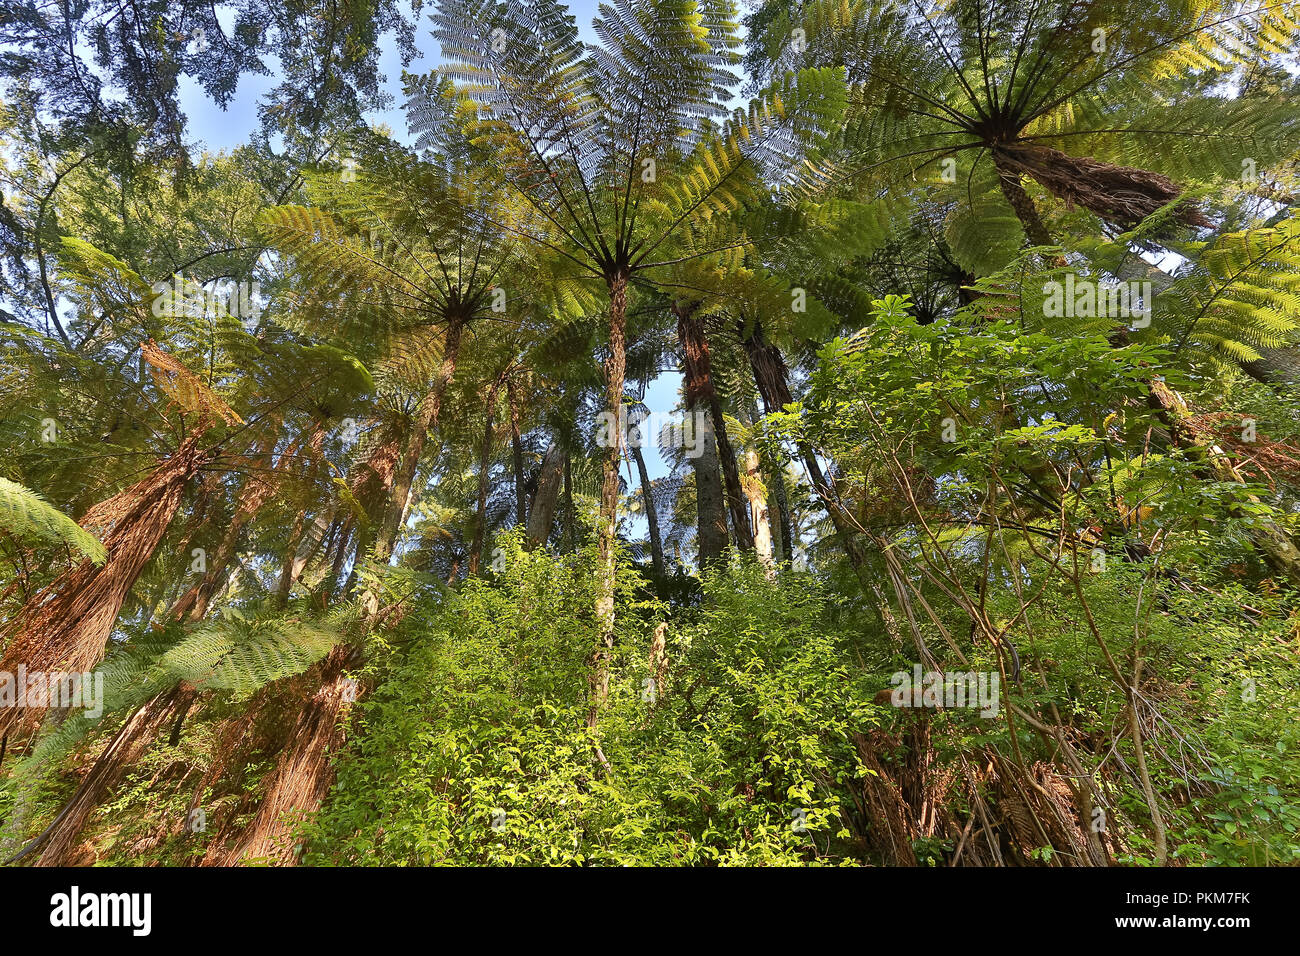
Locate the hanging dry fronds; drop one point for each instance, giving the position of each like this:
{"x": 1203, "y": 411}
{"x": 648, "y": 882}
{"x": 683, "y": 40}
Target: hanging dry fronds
{"x": 128, "y": 745}
{"x": 303, "y": 774}
{"x": 184, "y": 388}
{"x": 1120, "y": 194}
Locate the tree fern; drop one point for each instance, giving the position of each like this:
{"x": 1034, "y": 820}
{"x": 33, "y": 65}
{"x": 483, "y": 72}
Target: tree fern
{"x": 25, "y": 514}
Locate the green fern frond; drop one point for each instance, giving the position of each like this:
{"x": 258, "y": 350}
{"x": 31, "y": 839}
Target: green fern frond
{"x": 25, "y": 514}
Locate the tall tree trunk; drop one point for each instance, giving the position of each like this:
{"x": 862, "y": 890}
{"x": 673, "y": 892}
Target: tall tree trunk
{"x": 770, "y": 376}
{"x": 651, "y": 515}
{"x": 568, "y": 500}
{"x": 1022, "y": 203}
{"x": 252, "y": 494}
{"x": 710, "y": 504}
{"x": 547, "y": 496}
{"x": 710, "y": 507}
{"x": 699, "y": 386}
{"x": 425, "y": 418}
{"x": 782, "y": 500}
{"x": 137, "y": 734}
{"x": 757, "y": 494}
{"x": 132, "y": 740}
{"x": 607, "y": 526}
{"x": 517, "y": 449}
{"x": 484, "y": 456}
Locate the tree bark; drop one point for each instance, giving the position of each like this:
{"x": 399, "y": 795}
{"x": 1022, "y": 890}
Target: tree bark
{"x": 128, "y": 745}
{"x": 425, "y": 418}
{"x": 757, "y": 494}
{"x": 1022, "y": 204}
{"x": 607, "y": 526}
{"x": 651, "y": 515}
{"x": 547, "y": 496}
{"x": 568, "y": 500}
{"x": 303, "y": 773}
{"x": 66, "y": 625}
{"x": 698, "y": 366}
{"x": 710, "y": 507}
{"x": 485, "y": 453}
{"x": 770, "y": 376}
{"x": 517, "y": 449}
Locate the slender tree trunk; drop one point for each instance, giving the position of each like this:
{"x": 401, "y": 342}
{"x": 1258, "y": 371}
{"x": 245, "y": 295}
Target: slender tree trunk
{"x": 699, "y": 372}
{"x": 607, "y": 526}
{"x": 770, "y": 376}
{"x": 425, "y": 418}
{"x": 485, "y": 454}
{"x": 782, "y": 499}
{"x": 547, "y": 497}
{"x": 132, "y": 740}
{"x": 1014, "y": 191}
{"x": 651, "y": 515}
{"x": 517, "y": 449}
{"x": 568, "y": 500}
{"x": 757, "y": 494}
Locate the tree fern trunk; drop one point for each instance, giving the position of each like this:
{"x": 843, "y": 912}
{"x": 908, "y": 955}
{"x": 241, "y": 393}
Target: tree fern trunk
{"x": 1022, "y": 204}
{"x": 651, "y": 515}
{"x": 66, "y": 625}
{"x": 782, "y": 499}
{"x": 569, "y": 531}
{"x": 303, "y": 773}
{"x": 710, "y": 506}
{"x": 133, "y": 739}
{"x": 425, "y": 418}
{"x": 485, "y": 453}
{"x": 607, "y": 530}
{"x": 757, "y": 495}
{"x": 699, "y": 386}
{"x": 547, "y": 497}
{"x": 770, "y": 376}
{"x": 517, "y": 450}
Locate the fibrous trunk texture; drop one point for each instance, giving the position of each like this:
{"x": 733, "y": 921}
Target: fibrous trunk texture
{"x": 302, "y": 775}
{"x": 651, "y": 513}
{"x": 425, "y": 418}
{"x": 484, "y": 465}
{"x": 128, "y": 745}
{"x": 66, "y": 625}
{"x": 1119, "y": 194}
{"x": 607, "y": 525}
